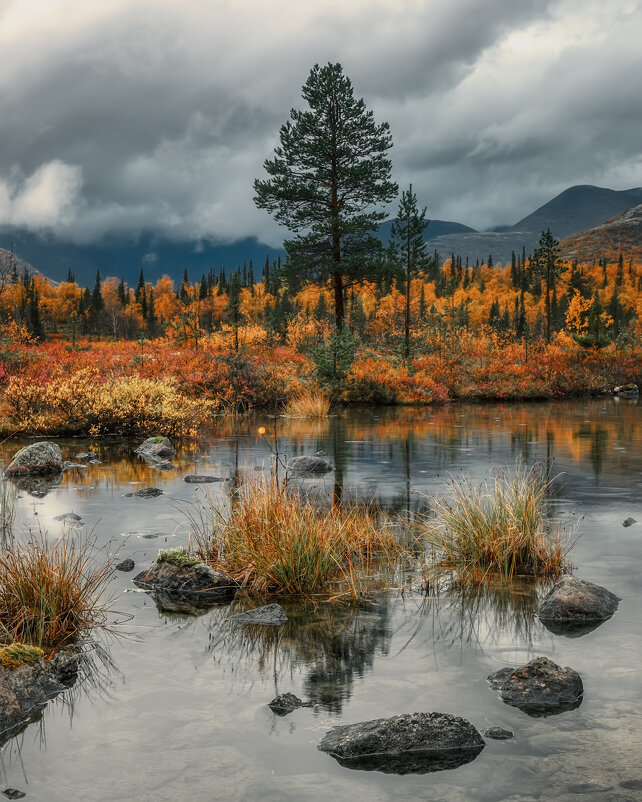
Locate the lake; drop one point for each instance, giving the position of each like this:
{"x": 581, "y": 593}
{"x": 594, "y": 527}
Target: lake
{"x": 175, "y": 706}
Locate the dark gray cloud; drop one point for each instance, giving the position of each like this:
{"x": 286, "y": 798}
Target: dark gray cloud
{"x": 157, "y": 114}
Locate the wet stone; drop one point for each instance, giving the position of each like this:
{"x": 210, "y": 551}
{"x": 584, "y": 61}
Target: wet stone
{"x": 126, "y": 565}
{"x": 629, "y": 522}
{"x": 573, "y": 606}
{"x": 146, "y": 492}
{"x": 196, "y": 585}
{"x": 412, "y": 743}
{"x": 497, "y": 733}
{"x": 268, "y": 615}
{"x": 70, "y": 517}
{"x": 286, "y": 703}
{"x": 196, "y": 479}
{"x": 13, "y": 793}
{"x": 87, "y": 455}
{"x": 36, "y": 459}
{"x": 540, "y": 688}
{"x": 155, "y": 448}
{"x": 307, "y": 464}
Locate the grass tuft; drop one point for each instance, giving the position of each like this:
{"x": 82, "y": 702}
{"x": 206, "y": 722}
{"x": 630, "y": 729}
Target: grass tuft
{"x": 49, "y": 594}
{"x": 274, "y": 540}
{"x": 308, "y": 405}
{"x": 499, "y": 527}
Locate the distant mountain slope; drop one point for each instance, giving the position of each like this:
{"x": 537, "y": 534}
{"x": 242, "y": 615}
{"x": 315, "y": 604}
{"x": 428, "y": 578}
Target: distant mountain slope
{"x": 622, "y": 233}
{"x": 436, "y": 228}
{"x": 576, "y": 209}
{"x": 10, "y": 260}
{"x": 579, "y": 208}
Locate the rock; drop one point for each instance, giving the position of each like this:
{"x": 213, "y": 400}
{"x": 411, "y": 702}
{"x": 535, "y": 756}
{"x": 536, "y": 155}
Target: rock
{"x": 497, "y": 733}
{"x": 410, "y": 743}
{"x": 540, "y": 688}
{"x": 196, "y": 479}
{"x": 629, "y": 522}
{"x": 269, "y": 615}
{"x": 196, "y": 585}
{"x": 146, "y": 492}
{"x": 307, "y": 464}
{"x": 36, "y": 459}
{"x": 24, "y": 691}
{"x": 95, "y": 462}
{"x": 627, "y": 390}
{"x": 573, "y": 606}
{"x": 155, "y": 448}
{"x": 13, "y": 793}
{"x": 70, "y": 517}
{"x": 126, "y": 565}
{"x": 67, "y": 466}
{"x": 286, "y": 703}
{"x": 87, "y": 455}
{"x": 164, "y": 465}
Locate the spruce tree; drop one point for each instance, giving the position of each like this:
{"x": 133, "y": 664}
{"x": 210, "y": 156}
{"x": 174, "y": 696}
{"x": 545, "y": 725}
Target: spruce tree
{"x": 546, "y": 266}
{"x": 327, "y": 174}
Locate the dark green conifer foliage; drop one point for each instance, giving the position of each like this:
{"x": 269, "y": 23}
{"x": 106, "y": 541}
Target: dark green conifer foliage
{"x": 328, "y": 173}
{"x": 547, "y": 267}
{"x": 233, "y": 308}
{"x": 409, "y": 248}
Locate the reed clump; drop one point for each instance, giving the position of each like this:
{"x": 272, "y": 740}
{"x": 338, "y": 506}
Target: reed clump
{"x": 308, "y": 405}
{"x": 497, "y": 528}
{"x": 49, "y": 593}
{"x": 273, "y": 540}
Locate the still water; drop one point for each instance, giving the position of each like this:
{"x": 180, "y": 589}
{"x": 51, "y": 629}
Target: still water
{"x": 177, "y": 706}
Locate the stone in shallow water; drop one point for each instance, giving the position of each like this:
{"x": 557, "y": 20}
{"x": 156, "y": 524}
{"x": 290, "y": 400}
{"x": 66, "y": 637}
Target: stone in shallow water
{"x": 306, "y": 464}
{"x": 268, "y": 615}
{"x": 286, "y": 703}
{"x": 126, "y": 565}
{"x": 573, "y": 606}
{"x": 146, "y": 492}
{"x": 497, "y": 733}
{"x": 629, "y": 522}
{"x": 36, "y": 459}
{"x": 70, "y": 517}
{"x": 415, "y": 743}
{"x": 540, "y": 688}
{"x": 155, "y": 448}
{"x": 196, "y": 479}
{"x": 196, "y": 585}
{"x": 14, "y": 793}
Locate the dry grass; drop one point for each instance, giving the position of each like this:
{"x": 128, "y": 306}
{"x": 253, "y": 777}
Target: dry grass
{"x": 49, "y": 594}
{"x": 308, "y": 405}
{"x": 498, "y": 528}
{"x": 274, "y": 540}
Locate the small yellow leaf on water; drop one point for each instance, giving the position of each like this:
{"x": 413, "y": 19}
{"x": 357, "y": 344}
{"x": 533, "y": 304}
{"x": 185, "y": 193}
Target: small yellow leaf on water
{"x": 261, "y": 429}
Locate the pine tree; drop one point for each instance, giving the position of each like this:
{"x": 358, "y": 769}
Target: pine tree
{"x": 547, "y": 267}
{"x": 409, "y": 248}
{"x": 328, "y": 173}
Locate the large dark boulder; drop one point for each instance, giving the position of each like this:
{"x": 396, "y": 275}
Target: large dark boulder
{"x": 415, "y": 743}
{"x": 36, "y": 460}
{"x": 25, "y": 690}
{"x": 574, "y": 607}
{"x": 308, "y": 464}
{"x": 156, "y": 448}
{"x": 181, "y": 588}
{"x": 540, "y": 688}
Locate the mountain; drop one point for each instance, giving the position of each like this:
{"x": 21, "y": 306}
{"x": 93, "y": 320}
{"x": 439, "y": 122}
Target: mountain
{"x": 576, "y": 209}
{"x": 622, "y": 233}
{"x": 124, "y": 257}
{"x": 436, "y": 228}
{"x": 9, "y": 261}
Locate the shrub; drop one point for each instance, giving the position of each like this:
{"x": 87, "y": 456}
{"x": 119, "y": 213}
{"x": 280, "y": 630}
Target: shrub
{"x": 499, "y": 527}
{"x": 49, "y": 594}
{"x": 176, "y": 556}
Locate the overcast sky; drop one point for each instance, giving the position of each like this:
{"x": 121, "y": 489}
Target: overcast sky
{"x": 124, "y": 115}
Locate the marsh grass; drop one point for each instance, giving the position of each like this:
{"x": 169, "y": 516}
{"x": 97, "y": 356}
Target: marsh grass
{"x": 499, "y": 528}
{"x": 274, "y": 540}
{"x": 50, "y": 593}
{"x": 308, "y": 405}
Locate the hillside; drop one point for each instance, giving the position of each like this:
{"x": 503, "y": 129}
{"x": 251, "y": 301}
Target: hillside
{"x": 622, "y": 233}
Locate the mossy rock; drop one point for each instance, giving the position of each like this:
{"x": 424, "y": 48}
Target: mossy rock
{"x": 18, "y": 654}
{"x": 178, "y": 557}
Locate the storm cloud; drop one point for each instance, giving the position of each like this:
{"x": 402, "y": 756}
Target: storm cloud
{"x": 121, "y": 117}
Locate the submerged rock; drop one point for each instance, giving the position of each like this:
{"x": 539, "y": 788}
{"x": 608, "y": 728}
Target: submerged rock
{"x": 87, "y": 455}
{"x": 410, "y": 743}
{"x": 574, "y": 607}
{"x": 146, "y": 492}
{"x": 286, "y": 703}
{"x": 69, "y": 517}
{"x": 14, "y": 793}
{"x": 629, "y": 522}
{"x": 268, "y": 615}
{"x": 195, "y": 585}
{"x": 126, "y": 565}
{"x": 155, "y": 448}
{"x": 540, "y": 688}
{"x": 25, "y": 690}
{"x": 497, "y": 733}
{"x": 196, "y": 479}
{"x": 36, "y": 459}
{"x": 164, "y": 465}
{"x": 308, "y": 464}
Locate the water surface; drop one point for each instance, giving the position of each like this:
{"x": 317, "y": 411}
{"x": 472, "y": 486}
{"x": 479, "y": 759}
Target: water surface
{"x": 179, "y": 711}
